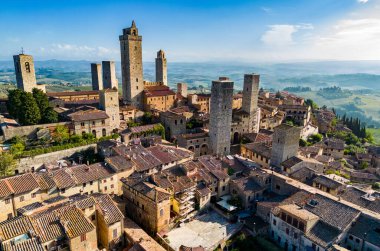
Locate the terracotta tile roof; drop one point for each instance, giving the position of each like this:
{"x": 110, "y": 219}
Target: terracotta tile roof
{"x": 327, "y": 182}
{"x": 259, "y": 148}
{"x": 120, "y": 163}
{"x": 168, "y": 154}
{"x": 194, "y": 135}
{"x": 157, "y": 91}
{"x": 84, "y": 173}
{"x": 143, "y": 128}
{"x": 108, "y": 208}
{"x": 85, "y": 113}
{"x": 247, "y": 184}
{"x": 26, "y": 245}
{"x": 367, "y": 228}
{"x": 63, "y": 179}
{"x": 5, "y": 189}
{"x": 75, "y": 222}
{"x": 82, "y": 201}
{"x": 291, "y": 162}
{"x": 45, "y": 180}
{"x": 76, "y": 93}
{"x": 29, "y": 207}
{"x": 47, "y": 226}
{"x": 14, "y": 227}
{"x": 23, "y": 183}
{"x": 323, "y": 234}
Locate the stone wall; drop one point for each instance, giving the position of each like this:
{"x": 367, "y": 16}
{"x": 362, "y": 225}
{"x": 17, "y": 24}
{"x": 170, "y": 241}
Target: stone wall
{"x": 29, "y": 131}
{"x": 27, "y": 164}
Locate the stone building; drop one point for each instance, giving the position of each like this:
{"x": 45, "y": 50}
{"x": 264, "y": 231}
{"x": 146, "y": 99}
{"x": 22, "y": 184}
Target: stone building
{"x": 161, "y": 68}
{"x": 182, "y": 89}
{"x": 25, "y": 73}
{"x": 75, "y": 96}
{"x": 109, "y": 102}
{"x": 285, "y": 143}
{"x": 148, "y": 205}
{"x": 200, "y": 101}
{"x": 96, "y": 76}
{"x": 195, "y": 142}
{"x": 174, "y": 123}
{"x": 158, "y": 97}
{"x": 132, "y": 66}
{"x": 221, "y": 115}
{"x": 109, "y": 75}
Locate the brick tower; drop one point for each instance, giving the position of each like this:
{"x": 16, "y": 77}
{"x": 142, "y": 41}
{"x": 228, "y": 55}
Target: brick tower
{"x": 25, "y": 73}
{"x": 250, "y": 99}
{"x": 161, "y": 68}
{"x": 96, "y": 76}
{"x": 109, "y": 75}
{"x": 131, "y": 66}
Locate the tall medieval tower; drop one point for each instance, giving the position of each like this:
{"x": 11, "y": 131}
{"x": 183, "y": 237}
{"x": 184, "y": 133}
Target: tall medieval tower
{"x": 96, "y": 76}
{"x": 161, "y": 68}
{"x": 109, "y": 102}
{"x": 221, "y": 116}
{"x": 250, "y": 99}
{"x": 131, "y": 66}
{"x": 25, "y": 73}
{"x": 109, "y": 75}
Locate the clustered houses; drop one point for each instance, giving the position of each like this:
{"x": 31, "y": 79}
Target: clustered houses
{"x": 80, "y": 222}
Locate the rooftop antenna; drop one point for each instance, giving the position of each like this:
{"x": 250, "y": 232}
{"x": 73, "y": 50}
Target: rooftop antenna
{"x": 22, "y": 50}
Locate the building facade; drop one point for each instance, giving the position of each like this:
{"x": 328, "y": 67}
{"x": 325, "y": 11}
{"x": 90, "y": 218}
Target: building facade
{"x": 161, "y": 68}
{"x": 96, "y": 77}
{"x": 109, "y": 75}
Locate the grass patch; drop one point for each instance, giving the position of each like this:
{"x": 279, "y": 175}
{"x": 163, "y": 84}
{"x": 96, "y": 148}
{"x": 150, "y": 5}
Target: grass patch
{"x": 376, "y": 134}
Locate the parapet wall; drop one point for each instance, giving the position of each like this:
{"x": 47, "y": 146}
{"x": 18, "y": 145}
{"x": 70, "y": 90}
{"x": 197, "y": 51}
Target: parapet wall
{"x": 10, "y": 132}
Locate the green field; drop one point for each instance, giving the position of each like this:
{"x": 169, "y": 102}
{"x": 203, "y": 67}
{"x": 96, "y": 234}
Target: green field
{"x": 364, "y": 106}
{"x": 376, "y": 134}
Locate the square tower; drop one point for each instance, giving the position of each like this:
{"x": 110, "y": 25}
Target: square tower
{"x": 161, "y": 68}
{"x": 182, "y": 89}
{"x": 221, "y": 115}
{"x": 25, "y": 73}
{"x": 285, "y": 143}
{"x": 96, "y": 76}
{"x": 250, "y": 99}
{"x": 109, "y": 75}
{"x": 109, "y": 102}
{"x": 131, "y": 66}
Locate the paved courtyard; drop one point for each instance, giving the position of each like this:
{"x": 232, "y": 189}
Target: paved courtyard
{"x": 207, "y": 231}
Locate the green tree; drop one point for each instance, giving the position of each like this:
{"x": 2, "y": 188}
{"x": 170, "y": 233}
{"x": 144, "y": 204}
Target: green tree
{"x": 14, "y": 103}
{"x": 311, "y": 103}
{"x": 41, "y": 99}
{"x": 30, "y": 114}
{"x": 61, "y": 134}
{"x": 7, "y": 164}
{"x": 49, "y": 116}
{"x": 17, "y": 148}
{"x": 302, "y": 143}
{"x": 147, "y": 118}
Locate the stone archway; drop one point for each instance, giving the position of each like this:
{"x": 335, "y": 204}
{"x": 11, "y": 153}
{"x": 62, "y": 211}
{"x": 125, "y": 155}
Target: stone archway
{"x": 191, "y": 148}
{"x": 204, "y": 149}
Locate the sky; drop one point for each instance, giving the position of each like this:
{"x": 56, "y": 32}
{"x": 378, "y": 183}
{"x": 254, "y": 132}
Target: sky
{"x": 193, "y": 30}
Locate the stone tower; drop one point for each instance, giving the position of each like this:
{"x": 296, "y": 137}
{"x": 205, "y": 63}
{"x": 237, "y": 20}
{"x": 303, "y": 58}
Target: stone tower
{"x": 96, "y": 75}
{"x": 250, "y": 99}
{"x": 109, "y": 75}
{"x": 161, "y": 68}
{"x": 25, "y": 74}
{"x": 109, "y": 102}
{"x": 285, "y": 143}
{"x": 131, "y": 66}
{"x": 182, "y": 89}
{"x": 221, "y": 115}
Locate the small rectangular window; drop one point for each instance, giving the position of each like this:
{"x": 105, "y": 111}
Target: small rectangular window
{"x": 83, "y": 237}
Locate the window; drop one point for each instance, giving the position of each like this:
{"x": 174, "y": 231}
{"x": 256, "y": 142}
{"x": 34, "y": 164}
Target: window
{"x": 114, "y": 233}
{"x": 274, "y": 222}
{"x": 93, "y": 123}
{"x": 63, "y": 190}
{"x": 84, "y": 185}
{"x": 93, "y": 217}
{"x": 103, "y": 122}
{"x": 112, "y": 186}
{"x": 82, "y": 124}
{"x": 161, "y": 212}
{"x": 7, "y": 201}
{"x": 27, "y": 66}
{"x": 295, "y": 235}
{"x": 91, "y": 182}
{"x": 105, "y": 188}
{"x": 83, "y": 237}
{"x": 21, "y": 198}
{"x": 287, "y": 231}
{"x": 10, "y": 216}
{"x": 33, "y": 195}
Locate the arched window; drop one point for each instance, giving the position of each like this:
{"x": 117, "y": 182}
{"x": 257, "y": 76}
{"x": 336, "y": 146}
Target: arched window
{"x": 104, "y": 132}
{"x": 27, "y": 66}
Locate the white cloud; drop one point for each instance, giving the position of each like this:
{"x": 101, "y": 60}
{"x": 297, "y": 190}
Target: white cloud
{"x": 266, "y": 10}
{"x": 362, "y": 1}
{"x": 73, "y": 51}
{"x": 351, "y": 39}
{"x": 281, "y": 35}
